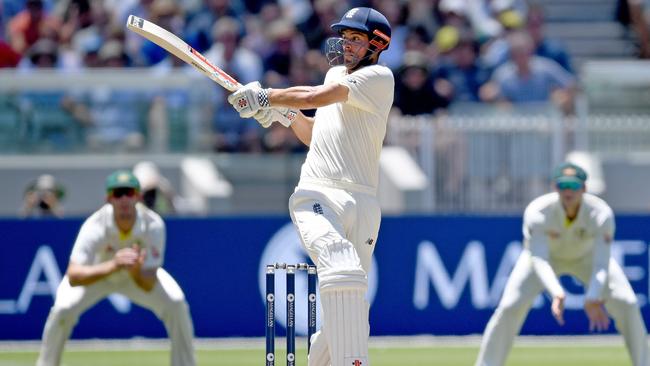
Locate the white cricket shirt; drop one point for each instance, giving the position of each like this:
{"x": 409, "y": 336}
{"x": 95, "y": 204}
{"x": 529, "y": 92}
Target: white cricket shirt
{"x": 99, "y": 238}
{"x": 549, "y": 238}
{"x": 347, "y": 137}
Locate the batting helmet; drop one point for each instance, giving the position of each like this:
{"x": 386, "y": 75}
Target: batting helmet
{"x": 369, "y": 21}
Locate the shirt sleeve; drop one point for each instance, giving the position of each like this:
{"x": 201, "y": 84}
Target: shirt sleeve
{"x": 602, "y": 252}
{"x": 156, "y": 236}
{"x": 557, "y": 74}
{"x": 371, "y": 88}
{"x": 89, "y": 237}
{"x": 536, "y": 237}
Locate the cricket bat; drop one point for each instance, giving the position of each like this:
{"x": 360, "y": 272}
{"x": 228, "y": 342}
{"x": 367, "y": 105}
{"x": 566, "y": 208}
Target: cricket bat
{"x": 182, "y": 50}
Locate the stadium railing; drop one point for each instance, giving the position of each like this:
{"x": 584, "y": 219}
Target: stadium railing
{"x": 478, "y": 158}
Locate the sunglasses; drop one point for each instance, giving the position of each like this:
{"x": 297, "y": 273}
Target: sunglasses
{"x": 574, "y": 186}
{"x": 120, "y": 192}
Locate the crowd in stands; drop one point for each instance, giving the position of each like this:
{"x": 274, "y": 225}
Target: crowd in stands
{"x": 443, "y": 52}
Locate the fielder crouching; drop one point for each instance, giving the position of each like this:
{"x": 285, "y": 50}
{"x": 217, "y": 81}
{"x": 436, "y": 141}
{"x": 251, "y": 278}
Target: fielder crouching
{"x": 567, "y": 232}
{"x": 120, "y": 249}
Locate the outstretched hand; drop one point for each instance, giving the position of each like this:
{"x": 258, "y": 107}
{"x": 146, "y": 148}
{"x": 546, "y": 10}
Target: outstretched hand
{"x": 249, "y": 99}
{"x": 557, "y": 309}
{"x": 598, "y": 318}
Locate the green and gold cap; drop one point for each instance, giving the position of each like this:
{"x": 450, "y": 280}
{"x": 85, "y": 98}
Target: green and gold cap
{"x": 122, "y": 179}
{"x": 569, "y": 172}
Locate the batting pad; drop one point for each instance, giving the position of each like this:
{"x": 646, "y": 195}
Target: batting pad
{"x": 339, "y": 267}
{"x": 345, "y": 320}
{"x": 318, "y": 353}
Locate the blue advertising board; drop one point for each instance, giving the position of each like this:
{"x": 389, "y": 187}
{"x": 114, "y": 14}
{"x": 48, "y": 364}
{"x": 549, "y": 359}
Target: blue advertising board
{"x": 436, "y": 275}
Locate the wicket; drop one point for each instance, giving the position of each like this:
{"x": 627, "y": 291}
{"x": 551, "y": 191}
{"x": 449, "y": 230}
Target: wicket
{"x": 290, "y": 272}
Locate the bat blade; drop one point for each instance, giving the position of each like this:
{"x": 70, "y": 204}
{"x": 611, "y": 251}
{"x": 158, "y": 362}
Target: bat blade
{"x": 176, "y": 46}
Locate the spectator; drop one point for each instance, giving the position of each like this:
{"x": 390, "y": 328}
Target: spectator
{"x": 84, "y": 31}
{"x": 460, "y": 73}
{"x": 632, "y": 13}
{"x": 257, "y": 29}
{"x": 43, "y": 197}
{"x": 198, "y": 32}
{"x": 422, "y": 13}
{"x": 8, "y": 57}
{"x": 88, "y": 50}
{"x": 77, "y": 16}
{"x": 49, "y": 126}
{"x": 109, "y": 116}
{"x": 395, "y": 13}
{"x": 166, "y": 14}
{"x": 414, "y": 91}
{"x": 112, "y": 54}
{"x": 544, "y": 46}
{"x": 530, "y": 79}
{"x": 469, "y": 14}
{"x": 452, "y": 12}
{"x": 135, "y": 42}
{"x": 495, "y": 51}
{"x": 419, "y": 39}
{"x": 157, "y": 193}
{"x": 26, "y": 27}
{"x": 121, "y": 9}
{"x": 286, "y": 46}
{"x": 42, "y": 54}
{"x": 313, "y": 66}
{"x": 227, "y": 53}
{"x": 316, "y": 28}
{"x": 10, "y": 8}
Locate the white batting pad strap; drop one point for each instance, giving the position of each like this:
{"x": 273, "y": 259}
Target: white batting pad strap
{"x": 345, "y": 320}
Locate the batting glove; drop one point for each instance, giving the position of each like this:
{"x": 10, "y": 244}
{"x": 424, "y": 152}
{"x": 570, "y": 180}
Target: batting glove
{"x": 264, "y": 117}
{"x": 249, "y": 99}
{"x": 284, "y": 115}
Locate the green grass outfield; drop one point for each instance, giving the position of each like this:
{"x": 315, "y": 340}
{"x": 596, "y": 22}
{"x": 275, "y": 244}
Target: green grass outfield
{"x": 564, "y": 351}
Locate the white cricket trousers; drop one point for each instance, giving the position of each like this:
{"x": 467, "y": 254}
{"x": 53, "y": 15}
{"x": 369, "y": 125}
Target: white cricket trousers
{"x": 522, "y": 288}
{"x": 338, "y": 227}
{"x": 166, "y": 300}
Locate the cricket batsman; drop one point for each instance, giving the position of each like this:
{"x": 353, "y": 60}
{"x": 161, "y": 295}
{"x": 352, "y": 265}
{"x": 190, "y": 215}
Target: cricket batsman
{"x": 335, "y": 207}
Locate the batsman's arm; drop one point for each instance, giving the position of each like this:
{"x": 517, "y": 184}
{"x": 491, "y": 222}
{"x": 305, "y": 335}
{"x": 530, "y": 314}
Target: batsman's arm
{"x": 303, "y": 127}
{"x": 307, "y": 97}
